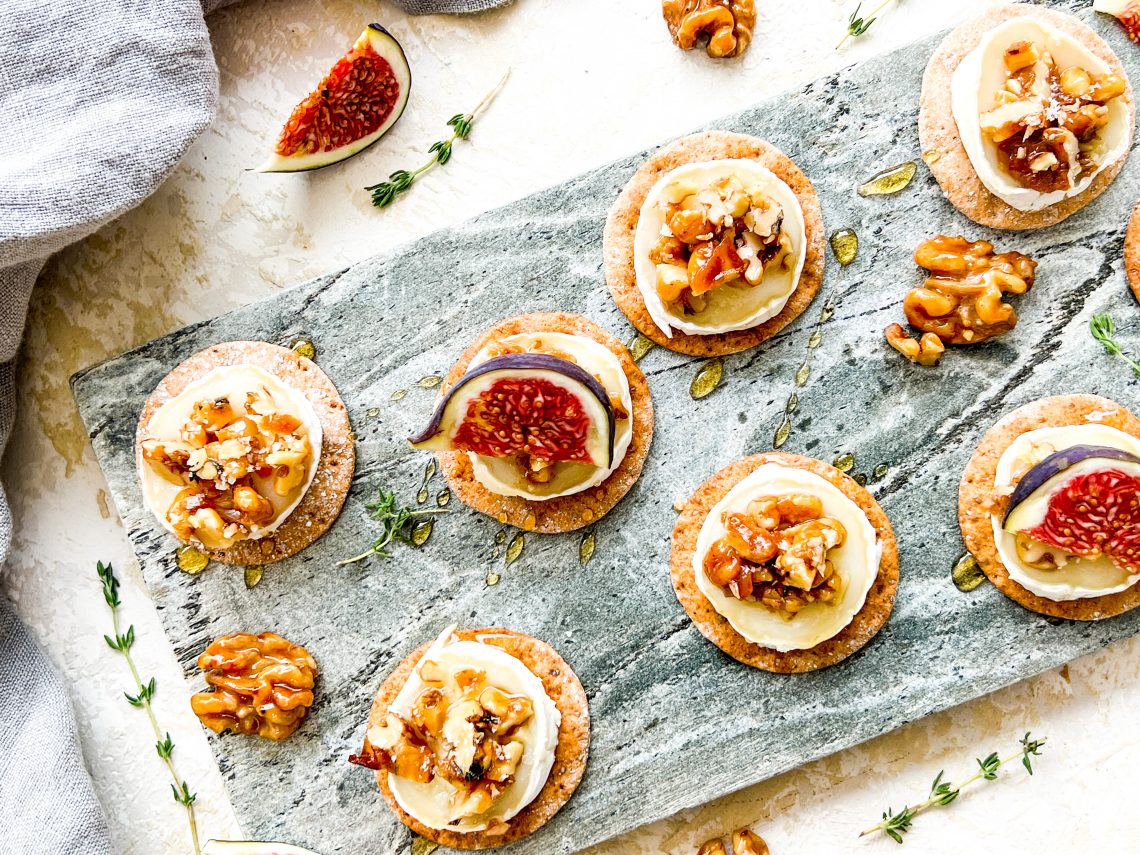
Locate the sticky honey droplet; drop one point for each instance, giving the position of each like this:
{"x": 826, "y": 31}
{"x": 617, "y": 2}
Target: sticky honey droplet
{"x": 844, "y": 462}
{"x": 707, "y": 379}
{"x": 815, "y": 339}
{"x": 639, "y": 345}
{"x": 514, "y": 549}
{"x": 304, "y": 347}
{"x": 501, "y": 536}
{"x": 373, "y": 412}
{"x": 880, "y": 472}
{"x": 192, "y": 560}
{"x": 967, "y": 574}
{"x": 586, "y": 548}
{"x": 429, "y": 382}
{"x": 844, "y": 245}
{"x": 444, "y": 497}
{"x": 803, "y": 374}
{"x": 860, "y": 478}
{"x": 421, "y": 532}
{"x": 398, "y": 395}
{"x": 932, "y": 156}
{"x": 422, "y": 495}
{"x": 792, "y": 405}
{"x": 493, "y": 578}
{"x": 889, "y": 181}
{"x": 253, "y": 575}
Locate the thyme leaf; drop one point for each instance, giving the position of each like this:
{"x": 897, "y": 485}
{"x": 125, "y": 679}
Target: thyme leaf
{"x": 385, "y": 193}
{"x": 1103, "y": 329}
{"x": 857, "y": 25}
{"x": 122, "y": 642}
{"x": 942, "y": 792}
{"x": 396, "y": 522}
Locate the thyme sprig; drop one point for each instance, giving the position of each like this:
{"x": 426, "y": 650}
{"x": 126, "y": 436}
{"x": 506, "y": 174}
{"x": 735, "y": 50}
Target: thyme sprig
{"x": 396, "y": 521}
{"x": 856, "y": 25}
{"x": 384, "y": 193}
{"x": 122, "y": 642}
{"x": 942, "y": 793}
{"x": 1103, "y": 329}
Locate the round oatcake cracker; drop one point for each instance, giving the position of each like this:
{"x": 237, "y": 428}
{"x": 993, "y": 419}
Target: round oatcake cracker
{"x": 564, "y": 513}
{"x": 621, "y": 227}
{"x": 1132, "y": 251}
{"x": 977, "y": 488}
{"x": 942, "y": 146}
{"x": 716, "y": 628}
{"x": 322, "y": 502}
{"x": 562, "y": 686}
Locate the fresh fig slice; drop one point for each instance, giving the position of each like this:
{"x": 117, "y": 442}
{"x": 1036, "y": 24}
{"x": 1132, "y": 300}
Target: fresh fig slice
{"x": 1125, "y": 11}
{"x": 252, "y": 847}
{"x": 356, "y": 103}
{"x": 525, "y": 403}
{"x": 1084, "y": 500}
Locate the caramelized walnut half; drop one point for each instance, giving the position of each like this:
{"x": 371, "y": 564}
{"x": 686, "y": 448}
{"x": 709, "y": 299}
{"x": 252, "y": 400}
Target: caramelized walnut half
{"x": 465, "y": 731}
{"x": 726, "y": 24}
{"x": 961, "y": 301}
{"x": 1046, "y": 119}
{"x": 776, "y": 554}
{"x": 260, "y": 684}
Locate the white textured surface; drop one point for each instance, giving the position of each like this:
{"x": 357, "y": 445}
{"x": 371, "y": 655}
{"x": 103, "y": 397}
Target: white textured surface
{"x": 592, "y": 80}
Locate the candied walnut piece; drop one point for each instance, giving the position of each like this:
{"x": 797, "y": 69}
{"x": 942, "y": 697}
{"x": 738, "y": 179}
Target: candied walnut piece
{"x": 777, "y": 554}
{"x": 748, "y": 842}
{"x": 712, "y": 847}
{"x": 260, "y": 684}
{"x": 726, "y": 24}
{"x": 927, "y": 350}
{"x": 961, "y": 300}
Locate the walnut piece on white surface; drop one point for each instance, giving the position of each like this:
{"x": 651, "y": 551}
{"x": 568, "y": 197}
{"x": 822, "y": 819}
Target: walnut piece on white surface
{"x": 727, "y": 25}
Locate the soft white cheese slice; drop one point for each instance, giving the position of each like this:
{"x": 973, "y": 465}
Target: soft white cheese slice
{"x": 982, "y": 73}
{"x": 502, "y": 476}
{"x": 233, "y": 382}
{"x": 1081, "y": 577}
{"x": 431, "y": 803}
{"x": 729, "y": 307}
{"x": 856, "y": 560}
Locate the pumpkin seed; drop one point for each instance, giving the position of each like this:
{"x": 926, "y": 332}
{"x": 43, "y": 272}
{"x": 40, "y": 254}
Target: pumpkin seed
{"x": 707, "y": 379}
{"x": 191, "y": 560}
{"x": 844, "y": 462}
{"x": 514, "y": 549}
{"x": 638, "y": 346}
{"x": 889, "y": 181}
{"x": 253, "y": 576}
{"x": 967, "y": 574}
{"x": 421, "y": 532}
{"x": 586, "y": 548}
{"x": 845, "y": 245}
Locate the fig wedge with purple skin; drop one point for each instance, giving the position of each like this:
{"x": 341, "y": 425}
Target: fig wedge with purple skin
{"x": 525, "y": 403}
{"x": 1084, "y": 500}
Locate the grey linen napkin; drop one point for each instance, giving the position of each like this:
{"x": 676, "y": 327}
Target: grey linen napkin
{"x": 100, "y": 101}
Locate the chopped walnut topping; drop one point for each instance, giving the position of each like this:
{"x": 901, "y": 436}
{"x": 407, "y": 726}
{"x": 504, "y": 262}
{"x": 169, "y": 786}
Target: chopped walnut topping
{"x": 227, "y": 462}
{"x": 726, "y": 24}
{"x": 1046, "y": 120}
{"x": 777, "y": 554}
{"x": 716, "y": 236}
{"x": 260, "y": 684}
{"x": 465, "y": 731}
